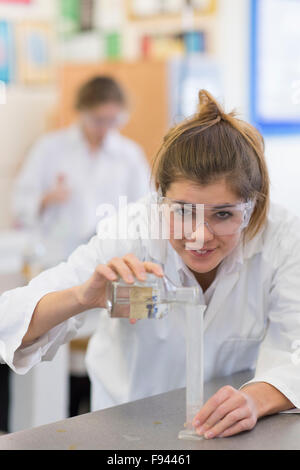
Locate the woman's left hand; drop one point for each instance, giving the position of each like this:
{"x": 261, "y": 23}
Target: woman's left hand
{"x": 227, "y": 412}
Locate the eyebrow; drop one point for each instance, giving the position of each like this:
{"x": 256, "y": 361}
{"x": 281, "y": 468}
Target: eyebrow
{"x": 215, "y": 206}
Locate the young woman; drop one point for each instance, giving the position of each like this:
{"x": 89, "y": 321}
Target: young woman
{"x": 248, "y": 271}
{"x": 73, "y": 170}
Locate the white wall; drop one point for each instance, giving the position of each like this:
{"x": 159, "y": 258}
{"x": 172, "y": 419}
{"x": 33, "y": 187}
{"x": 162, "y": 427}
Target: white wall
{"x": 283, "y": 157}
{"x": 232, "y": 52}
{"x": 23, "y": 118}
{"x": 282, "y": 153}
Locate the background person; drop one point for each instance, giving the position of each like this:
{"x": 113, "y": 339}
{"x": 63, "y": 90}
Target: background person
{"x": 71, "y": 171}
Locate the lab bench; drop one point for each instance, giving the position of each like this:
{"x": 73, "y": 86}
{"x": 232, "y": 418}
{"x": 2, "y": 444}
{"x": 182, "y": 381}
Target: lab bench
{"x": 153, "y": 424}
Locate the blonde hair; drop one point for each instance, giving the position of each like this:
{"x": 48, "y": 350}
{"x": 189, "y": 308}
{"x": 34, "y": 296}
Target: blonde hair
{"x": 212, "y": 145}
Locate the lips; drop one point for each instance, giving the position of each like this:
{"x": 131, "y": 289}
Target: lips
{"x": 202, "y": 253}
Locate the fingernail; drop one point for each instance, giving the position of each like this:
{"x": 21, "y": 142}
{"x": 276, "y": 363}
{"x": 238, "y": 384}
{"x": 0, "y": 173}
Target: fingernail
{"x": 209, "y": 435}
{"x": 130, "y": 278}
{"x": 196, "y": 423}
{"x": 205, "y": 427}
{"x": 200, "y": 430}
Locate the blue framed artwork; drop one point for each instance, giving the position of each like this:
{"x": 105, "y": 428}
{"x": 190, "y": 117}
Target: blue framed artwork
{"x": 35, "y": 54}
{"x": 6, "y": 52}
{"x": 275, "y": 66}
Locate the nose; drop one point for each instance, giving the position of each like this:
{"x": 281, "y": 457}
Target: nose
{"x": 202, "y": 234}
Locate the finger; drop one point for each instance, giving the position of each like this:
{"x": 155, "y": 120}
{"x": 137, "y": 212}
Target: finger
{"x": 236, "y": 401}
{"x": 230, "y": 420}
{"x": 210, "y": 406}
{"x": 136, "y": 266}
{"x": 61, "y": 178}
{"x": 121, "y": 268}
{"x": 243, "y": 425}
{"x": 105, "y": 271}
{"x": 153, "y": 268}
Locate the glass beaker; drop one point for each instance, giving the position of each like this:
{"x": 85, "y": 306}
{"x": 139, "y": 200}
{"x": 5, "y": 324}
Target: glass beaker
{"x": 152, "y": 299}
{"x": 194, "y": 368}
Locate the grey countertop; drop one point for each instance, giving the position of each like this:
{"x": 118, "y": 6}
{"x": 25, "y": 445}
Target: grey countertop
{"x": 153, "y": 424}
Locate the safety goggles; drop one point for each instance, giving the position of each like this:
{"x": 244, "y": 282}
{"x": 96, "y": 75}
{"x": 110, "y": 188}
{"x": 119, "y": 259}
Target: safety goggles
{"x": 106, "y": 122}
{"x": 222, "y": 219}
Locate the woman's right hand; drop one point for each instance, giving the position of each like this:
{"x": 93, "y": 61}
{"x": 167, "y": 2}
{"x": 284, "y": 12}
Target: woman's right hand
{"x": 57, "y": 307}
{"x": 93, "y": 293}
{"x": 59, "y": 194}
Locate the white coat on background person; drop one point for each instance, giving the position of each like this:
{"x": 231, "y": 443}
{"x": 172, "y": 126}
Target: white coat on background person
{"x": 89, "y": 179}
{"x": 70, "y": 172}
{"x": 252, "y": 312}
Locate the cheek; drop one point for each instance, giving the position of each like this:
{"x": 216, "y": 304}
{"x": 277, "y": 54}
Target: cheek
{"x": 228, "y": 244}
{"x": 173, "y": 237}
{"x": 169, "y": 224}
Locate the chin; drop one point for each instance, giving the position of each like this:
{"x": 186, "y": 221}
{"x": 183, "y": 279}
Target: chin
{"x": 201, "y": 268}
{"x": 200, "y": 265}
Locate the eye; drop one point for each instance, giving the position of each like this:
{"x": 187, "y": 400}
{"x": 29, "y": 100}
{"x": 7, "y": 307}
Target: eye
{"x": 178, "y": 210}
{"x": 223, "y": 215}
{"x": 182, "y": 211}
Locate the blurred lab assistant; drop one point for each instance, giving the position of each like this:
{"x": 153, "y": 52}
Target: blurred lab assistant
{"x": 71, "y": 171}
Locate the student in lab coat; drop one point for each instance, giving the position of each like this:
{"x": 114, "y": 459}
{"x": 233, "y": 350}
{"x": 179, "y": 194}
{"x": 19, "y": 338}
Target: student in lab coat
{"x": 72, "y": 171}
{"x": 248, "y": 272}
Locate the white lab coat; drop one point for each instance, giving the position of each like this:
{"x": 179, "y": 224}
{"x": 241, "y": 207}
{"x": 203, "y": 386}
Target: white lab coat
{"x": 119, "y": 168}
{"x": 253, "y": 312}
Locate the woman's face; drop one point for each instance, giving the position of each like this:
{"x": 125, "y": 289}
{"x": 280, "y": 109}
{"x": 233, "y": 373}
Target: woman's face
{"x": 99, "y": 120}
{"x": 218, "y": 247}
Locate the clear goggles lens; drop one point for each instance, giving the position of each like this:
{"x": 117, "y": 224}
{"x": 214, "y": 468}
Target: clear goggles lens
{"x": 107, "y": 122}
{"x": 220, "y": 220}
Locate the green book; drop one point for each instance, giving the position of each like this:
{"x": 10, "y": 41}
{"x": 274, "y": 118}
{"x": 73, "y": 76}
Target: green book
{"x": 113, "y": 46}
{"x": 69, "y": 16}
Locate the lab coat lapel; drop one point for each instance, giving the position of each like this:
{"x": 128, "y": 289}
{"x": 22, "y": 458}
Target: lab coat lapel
{"x": 231, "y": 276}
{"x": 223, "y": 289}
{"x": 171, "y": 265}
{"x": 171, "y": 273}
{"x": 161, "y": 252}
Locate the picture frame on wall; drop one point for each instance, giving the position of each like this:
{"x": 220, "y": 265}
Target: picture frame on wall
{"x": 161, "y": 9}
{"x": 35, "y": 52}
{"x": 7, "y": 52}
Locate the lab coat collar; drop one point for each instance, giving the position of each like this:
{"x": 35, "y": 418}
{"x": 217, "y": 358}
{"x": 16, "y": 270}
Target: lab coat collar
{"x": 254, "y": 246}
{"x": 108, "y": 144}
{"x": 234, "y": 260}
{"x": 76, "y": 134}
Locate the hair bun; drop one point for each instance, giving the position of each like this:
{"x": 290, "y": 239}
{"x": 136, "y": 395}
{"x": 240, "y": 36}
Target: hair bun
{"x": 209, "y": 107}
